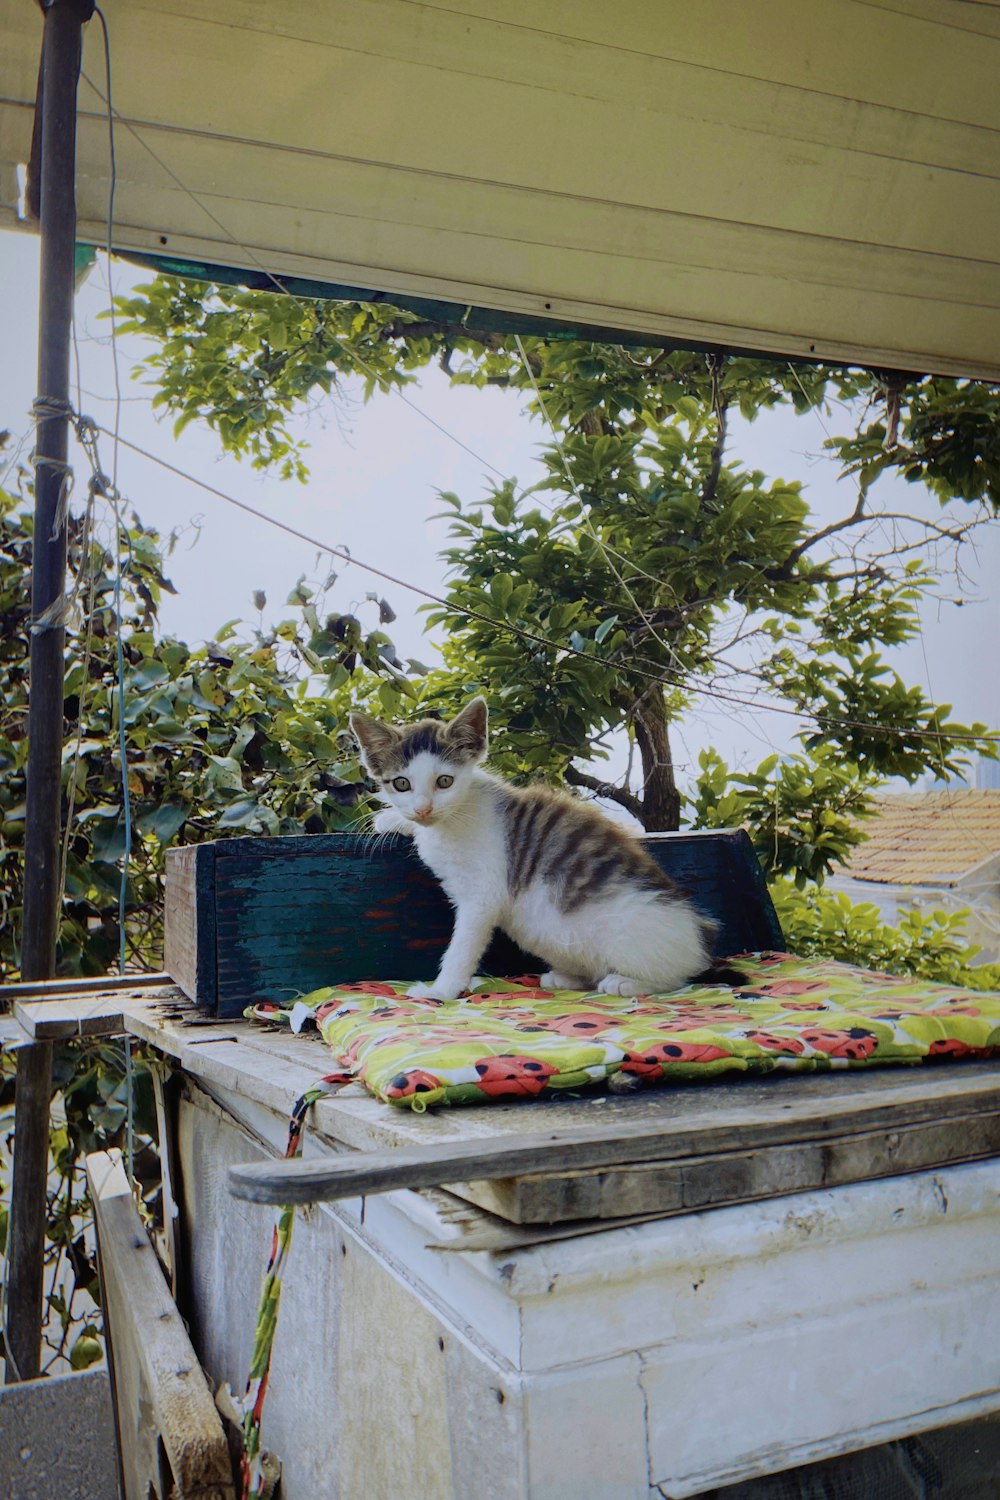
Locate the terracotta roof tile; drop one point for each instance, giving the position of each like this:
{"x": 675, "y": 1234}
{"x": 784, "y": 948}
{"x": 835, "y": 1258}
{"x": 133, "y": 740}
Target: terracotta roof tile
{"x": 920, "y": 837}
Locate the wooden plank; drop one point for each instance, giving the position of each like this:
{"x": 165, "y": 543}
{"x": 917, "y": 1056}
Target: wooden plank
{"x": 163, "y": 1406}
{"x": 98, "y": 1013}
{"x": 714, "y": 1181}
{"x": 189, "y": 938}
{"x": 166, "y": 1086}
{"x": 12, "y": 1034}
{"x": 65, "y": 989}
{"x": 360, "y": 1121}
{"x": 28, "y": 1208}
{"x": 441, "y": 1165}
{"x": 220, "y": 1060}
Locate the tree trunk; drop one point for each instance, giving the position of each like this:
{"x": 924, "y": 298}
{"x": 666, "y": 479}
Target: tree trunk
{"x": 661, "y": 801}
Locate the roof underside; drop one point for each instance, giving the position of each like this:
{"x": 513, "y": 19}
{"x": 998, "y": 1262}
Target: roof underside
{"x": 809, "y": 178}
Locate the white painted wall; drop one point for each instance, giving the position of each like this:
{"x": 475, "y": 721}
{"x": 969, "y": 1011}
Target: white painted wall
{"x": 657, "y": 1360}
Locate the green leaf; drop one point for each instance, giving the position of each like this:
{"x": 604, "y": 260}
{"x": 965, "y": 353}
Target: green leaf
{"x": 501, "y": 588}
{"x": 164, "y": 822}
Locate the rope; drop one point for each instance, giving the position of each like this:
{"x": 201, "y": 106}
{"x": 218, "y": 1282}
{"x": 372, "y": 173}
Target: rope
{"x": 112, "y": 494}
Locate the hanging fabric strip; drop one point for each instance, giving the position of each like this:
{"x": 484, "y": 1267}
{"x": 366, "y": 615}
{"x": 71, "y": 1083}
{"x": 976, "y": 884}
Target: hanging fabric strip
{"x": 252, "y": 1471}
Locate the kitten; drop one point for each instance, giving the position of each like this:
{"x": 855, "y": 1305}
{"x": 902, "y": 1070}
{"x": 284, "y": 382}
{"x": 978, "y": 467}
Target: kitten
{"x": 554, "y": 873}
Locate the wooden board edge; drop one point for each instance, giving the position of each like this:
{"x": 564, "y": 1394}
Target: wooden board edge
{"x": 156, "y": 1372}
{"x": 358, "y": 1173}
{"x": 721, "y": 1180}
{"x": 95, "y": 1014}
{"x": 189, "y": 921}
{"x": 65, "y": 989}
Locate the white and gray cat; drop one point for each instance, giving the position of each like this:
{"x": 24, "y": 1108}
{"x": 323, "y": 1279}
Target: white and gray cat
{"x": 559, "y": 877}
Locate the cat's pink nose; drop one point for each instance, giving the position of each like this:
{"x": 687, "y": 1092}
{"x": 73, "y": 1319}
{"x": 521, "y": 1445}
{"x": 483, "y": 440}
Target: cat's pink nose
{"x": 423, "y": 812}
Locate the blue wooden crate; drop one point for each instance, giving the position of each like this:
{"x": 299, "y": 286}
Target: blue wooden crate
{"x": 268, "y": 919}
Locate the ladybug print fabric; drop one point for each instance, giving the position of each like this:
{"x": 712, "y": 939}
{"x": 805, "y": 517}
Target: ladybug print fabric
{"x": 511, "y": 1039}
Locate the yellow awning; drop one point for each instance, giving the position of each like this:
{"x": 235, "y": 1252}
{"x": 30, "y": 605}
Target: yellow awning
{"x": 802, "y": 177}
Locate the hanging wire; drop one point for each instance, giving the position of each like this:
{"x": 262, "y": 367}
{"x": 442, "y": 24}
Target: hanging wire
{"x": 114, "y": 498}
{"x": 559, "y": 648}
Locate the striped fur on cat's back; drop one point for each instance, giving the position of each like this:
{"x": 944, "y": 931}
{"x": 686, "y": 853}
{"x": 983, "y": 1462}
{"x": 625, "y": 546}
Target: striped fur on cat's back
{"x": 558, "y": 876}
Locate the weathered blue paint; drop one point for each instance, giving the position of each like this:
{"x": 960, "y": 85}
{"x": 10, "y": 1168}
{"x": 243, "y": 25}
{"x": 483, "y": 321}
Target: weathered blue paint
{"x": 267, "y": 919}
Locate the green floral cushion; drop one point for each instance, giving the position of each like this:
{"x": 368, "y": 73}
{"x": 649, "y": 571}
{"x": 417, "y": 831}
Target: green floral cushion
{"x": 511, "y": 1039}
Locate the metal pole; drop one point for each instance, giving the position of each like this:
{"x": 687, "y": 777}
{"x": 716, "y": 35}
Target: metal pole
{"x": 61, "y": 51}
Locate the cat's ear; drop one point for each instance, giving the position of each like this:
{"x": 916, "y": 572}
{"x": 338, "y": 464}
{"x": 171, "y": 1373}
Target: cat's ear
{"x": 376, "y": 740}
{"x": 467, "y": 730}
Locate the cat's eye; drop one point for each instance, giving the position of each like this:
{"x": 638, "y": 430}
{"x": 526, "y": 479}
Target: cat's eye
{"x": 401, "y": 783}
{"x": 445, "y": 781}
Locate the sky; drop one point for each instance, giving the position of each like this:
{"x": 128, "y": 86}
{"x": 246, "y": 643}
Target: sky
{"x": 375, "y": 472}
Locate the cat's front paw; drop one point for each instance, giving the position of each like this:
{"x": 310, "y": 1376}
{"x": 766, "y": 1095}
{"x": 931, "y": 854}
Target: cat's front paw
{"x": 553, "y": 979}
{"x": 430, "y": 992}
{"x": 620, "y": 984}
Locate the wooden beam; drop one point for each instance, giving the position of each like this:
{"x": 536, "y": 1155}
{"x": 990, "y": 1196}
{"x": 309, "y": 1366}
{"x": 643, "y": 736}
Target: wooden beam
{"x": 730, "y": 1135}
{"x": 716, "y": 1180}
{"x": 26, "y": 1245}
{"x": 164, "y": 1410}
{"x": 63, "y": 989}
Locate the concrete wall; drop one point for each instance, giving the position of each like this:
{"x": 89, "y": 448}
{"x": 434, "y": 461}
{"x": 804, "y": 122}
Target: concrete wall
{"x": 57, "y": 1439}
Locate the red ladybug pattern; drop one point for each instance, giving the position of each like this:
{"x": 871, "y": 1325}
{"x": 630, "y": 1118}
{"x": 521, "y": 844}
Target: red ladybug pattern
{"x": 416, "y": 1081}
{"x": 952, "y": 1047}
{"x": 581, "y": 1023}
{"x": 650, "y": 1062}
{"x": 510, "y": 1039}
{"x": 511, "y": 1077}
{"x": 772, "y": 1043}
{"x": 855, "y": 1043}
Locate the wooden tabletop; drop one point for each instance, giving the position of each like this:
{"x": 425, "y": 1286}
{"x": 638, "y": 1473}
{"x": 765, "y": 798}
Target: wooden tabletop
{"x": 672, "y": 1149}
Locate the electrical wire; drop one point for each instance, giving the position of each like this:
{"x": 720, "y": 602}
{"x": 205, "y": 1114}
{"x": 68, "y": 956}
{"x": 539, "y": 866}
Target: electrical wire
{"x": 561, "y": 649}
{"x": 114, "y": 500}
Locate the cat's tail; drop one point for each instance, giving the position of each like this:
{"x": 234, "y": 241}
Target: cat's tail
{"x": 722, "y": 973}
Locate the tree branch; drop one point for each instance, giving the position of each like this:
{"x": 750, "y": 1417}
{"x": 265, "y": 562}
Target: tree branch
{"x": 618, "y": 794}
{"x": 720, "y": 407}
{"x": 858, "y": 514}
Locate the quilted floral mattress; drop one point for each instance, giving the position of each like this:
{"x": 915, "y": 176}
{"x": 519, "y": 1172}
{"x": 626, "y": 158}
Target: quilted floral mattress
{"x": 511, "y": 1039}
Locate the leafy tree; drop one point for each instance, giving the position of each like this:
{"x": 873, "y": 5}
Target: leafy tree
{"x": 244, "y": 360}
{"x": 236, "y": 736}
{"x": 647, "y": 567}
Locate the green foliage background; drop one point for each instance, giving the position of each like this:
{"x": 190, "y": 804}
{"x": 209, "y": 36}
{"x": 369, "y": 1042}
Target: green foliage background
{"x": 608, "y": 596}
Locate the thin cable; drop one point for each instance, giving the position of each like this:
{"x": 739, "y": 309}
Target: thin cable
{"x": 599, "y": 540}
{"x": 382, "y": 381}
{"x": 115, "y": 502}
